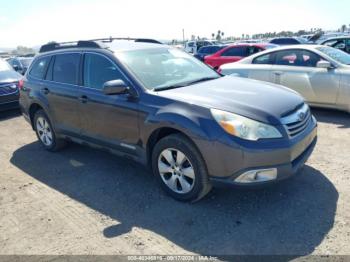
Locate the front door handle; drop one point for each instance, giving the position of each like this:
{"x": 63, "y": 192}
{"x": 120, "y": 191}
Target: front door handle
{"x": 45, "y": 90}
{"x": 83, "y": 99}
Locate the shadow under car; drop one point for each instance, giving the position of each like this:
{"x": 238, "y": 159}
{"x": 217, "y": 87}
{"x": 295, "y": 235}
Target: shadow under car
{"x": 288, "y": 218}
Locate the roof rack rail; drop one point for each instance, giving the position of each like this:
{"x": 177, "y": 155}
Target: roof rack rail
{"x": 93, "y": 43}
{"x": 75, "y": 44}
{"x": 111, "y": 39}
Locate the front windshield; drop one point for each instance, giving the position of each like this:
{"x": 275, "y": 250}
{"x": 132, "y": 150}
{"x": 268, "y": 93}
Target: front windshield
{"x": 4, "y": 66}
{"x": 164, "y": 68}
{"x": 336, "y": 54}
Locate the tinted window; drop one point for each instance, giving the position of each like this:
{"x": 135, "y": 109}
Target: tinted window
{"x": 253, "y": 49}
{"x": 285, "y": 41}
{"x": 66, "y": 68}
{"x": 235, "y": 51}
{"x": 297, "y": 58}
{"x": 210, "y": 49}
{"x": 263, "y": 60}
{"x": 39, "y": 67}
{"x": 98, "y": 70}
{"x": 205, "y": 50}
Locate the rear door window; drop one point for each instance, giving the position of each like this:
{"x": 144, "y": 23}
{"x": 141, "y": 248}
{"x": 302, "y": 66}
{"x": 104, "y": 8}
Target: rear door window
{"x": 66, "y": 68}
{"x": 39, "y": 67}
{"x": 264, "y": 60}
{"x": 297, "y": 58}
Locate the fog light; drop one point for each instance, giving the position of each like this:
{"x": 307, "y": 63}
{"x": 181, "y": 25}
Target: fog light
{"x": 255, "y": 176}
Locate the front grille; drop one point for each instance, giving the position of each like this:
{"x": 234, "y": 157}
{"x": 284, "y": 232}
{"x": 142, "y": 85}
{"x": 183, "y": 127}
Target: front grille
{"x": 8, "y": 89}
{"x": 297, "y": 121}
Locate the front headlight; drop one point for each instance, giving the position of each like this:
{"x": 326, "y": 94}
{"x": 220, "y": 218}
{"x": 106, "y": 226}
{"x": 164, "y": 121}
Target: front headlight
{"x": 244, "y": 127}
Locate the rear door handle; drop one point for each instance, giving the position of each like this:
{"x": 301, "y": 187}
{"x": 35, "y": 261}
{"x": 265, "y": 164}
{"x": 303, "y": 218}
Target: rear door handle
{"x": 83, "y": 99}
{"x": 45, "y": 90}
{"x": 278, "y": 73}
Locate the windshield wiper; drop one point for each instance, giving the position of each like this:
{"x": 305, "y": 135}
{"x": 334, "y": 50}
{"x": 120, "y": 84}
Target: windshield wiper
{"x": 203, "y": 79}
{"x": 168, "y": 87}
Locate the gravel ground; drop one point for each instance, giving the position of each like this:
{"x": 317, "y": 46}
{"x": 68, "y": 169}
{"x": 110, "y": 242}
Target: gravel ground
{"x": 84, "y": 201}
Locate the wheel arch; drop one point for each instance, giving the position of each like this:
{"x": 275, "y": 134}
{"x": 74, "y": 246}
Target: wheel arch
{"x": 162, "y": 132}
{"x": 34, "y": 107}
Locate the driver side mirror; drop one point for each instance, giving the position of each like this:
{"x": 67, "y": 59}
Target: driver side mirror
{"x": 115, "y": 87}
{"x": 324, "y": 64}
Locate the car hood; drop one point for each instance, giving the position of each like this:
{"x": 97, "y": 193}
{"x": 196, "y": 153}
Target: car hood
{"x": 257, "y": 100}
{"x": 9, "y": 76}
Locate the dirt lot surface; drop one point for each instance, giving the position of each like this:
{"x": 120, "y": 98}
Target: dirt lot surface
{"x": 83, "y": 201}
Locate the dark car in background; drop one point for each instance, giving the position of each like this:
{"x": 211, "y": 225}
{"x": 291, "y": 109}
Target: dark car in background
{"x": 208, "y": 50}
{"x": 164, "y": 108}
{"x": 20, "y": 64}
{"x": 288, "y": 41}
{"x": 341, "y": 43}
{"x": 10, "y": 82}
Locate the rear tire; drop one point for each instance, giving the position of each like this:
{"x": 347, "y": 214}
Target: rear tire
{"x": 45, "y": 133}
{"x": 180, "y": 168}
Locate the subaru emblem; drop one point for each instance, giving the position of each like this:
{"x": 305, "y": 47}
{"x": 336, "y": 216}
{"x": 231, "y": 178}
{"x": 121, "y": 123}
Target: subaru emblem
{"x": 301, "y": 116}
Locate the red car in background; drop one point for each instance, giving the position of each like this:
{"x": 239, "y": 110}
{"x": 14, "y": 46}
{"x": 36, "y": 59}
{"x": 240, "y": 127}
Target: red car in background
{"x": 234, "y": 53}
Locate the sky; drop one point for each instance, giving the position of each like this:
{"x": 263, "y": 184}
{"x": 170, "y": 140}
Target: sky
{"x": 35, "y": 22}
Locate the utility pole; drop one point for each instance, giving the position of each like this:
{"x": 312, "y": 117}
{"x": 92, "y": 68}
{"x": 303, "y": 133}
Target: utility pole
{"x": 183, "y": 36}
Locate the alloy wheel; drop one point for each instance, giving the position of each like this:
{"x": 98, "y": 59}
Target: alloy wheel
{"x": 44, "y": 131}
{"x": 176, "y": 170}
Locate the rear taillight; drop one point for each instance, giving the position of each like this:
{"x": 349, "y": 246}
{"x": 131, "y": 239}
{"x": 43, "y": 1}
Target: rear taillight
{"x": 20, "y": 84}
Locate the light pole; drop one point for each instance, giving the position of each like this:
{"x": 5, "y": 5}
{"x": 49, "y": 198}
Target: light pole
{"x": 183, "y": 36}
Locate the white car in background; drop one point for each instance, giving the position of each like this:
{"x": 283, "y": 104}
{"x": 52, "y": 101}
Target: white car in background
{"x": 193, "y": 46}
{"x": 321, "y": 74}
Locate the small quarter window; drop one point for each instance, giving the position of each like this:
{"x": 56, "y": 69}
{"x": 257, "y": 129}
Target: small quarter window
{"x": 39, "y": 67}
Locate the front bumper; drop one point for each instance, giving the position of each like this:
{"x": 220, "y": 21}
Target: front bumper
{"x": 4, "y": 106}
{"x": 9, "y": 101}
{"x": 283, "y": 171}
{"x": 284, "y": 157}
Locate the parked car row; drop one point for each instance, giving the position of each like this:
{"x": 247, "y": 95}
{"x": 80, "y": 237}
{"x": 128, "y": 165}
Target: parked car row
{"x": 216, "y": 55}
{"x": 20, "y": 64}
{"x": 321, "y": 74}
{"x": 10, "y": 82}
{"x": 164, "y": 108}
{"x": 234, "y": 53}
{"x": 193, "y": 46}
{"x": 342, "y": 43}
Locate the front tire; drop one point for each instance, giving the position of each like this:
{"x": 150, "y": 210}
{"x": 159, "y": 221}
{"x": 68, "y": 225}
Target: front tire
{"x": 45, "y": 133}
{"x": 180, "y": 168}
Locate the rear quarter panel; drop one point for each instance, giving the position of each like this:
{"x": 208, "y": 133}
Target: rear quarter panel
{"x": 343, "y": 99}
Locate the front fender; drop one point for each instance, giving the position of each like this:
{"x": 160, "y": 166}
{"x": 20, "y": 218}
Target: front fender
{"x": 188, "y": 119}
